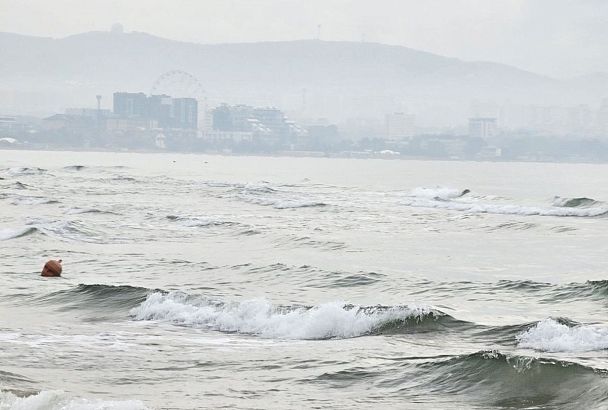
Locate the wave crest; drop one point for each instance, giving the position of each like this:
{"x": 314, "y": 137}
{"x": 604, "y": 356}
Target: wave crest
{"x": 97, "y": 296}
{"x": 574, "y": 202}
{"x": 58, "y": 400}
{"x": 438, "y": 193}
{"x": 517, "y": 381}
{"x": 480, "y": 207}
{"x": 260, "y": 317}
{"x": 550, "y": 335}
{"x": 13, "y": 233}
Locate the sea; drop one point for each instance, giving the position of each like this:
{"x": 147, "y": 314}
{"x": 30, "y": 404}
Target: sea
{"x": 251, "y": 282}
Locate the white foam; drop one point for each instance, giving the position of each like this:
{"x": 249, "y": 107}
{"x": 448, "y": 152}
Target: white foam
{"x": 258, "y": 316}
{"x": 436, "y": 192}
{"x": 12, "y": 233}
{"x": 505, "y": 209}
{"x": 548, "y": 335}
{"x": 58, "y": 400}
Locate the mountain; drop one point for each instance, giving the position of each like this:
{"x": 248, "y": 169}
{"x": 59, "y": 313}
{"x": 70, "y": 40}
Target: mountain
{"x": 335, "y": 79}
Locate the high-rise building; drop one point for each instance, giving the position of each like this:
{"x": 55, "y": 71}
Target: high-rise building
{"x": 185, "y": 113}
{"x": 482, "y": 127}
{"x": 272, "y": 118}
{"x": 130, "y": 105}
{"x": 233, "y": 118}
{"x": 268, "y": 125}
{"x": 160, "y": 108}
{"x": 241, "y": 117}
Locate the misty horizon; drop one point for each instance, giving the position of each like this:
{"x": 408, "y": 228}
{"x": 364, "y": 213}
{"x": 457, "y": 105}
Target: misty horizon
{"x": 119, "y": 29}
{"x": 539, "y": 36}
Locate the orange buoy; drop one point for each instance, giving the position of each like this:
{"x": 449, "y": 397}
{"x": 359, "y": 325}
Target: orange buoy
{"x": 52, "y": 268}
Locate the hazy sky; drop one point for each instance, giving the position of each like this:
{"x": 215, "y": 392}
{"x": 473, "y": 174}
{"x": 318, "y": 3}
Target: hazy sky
{"x": 553, "y": 37}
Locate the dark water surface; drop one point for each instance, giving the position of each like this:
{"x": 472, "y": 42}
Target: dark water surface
{"x": 248, "y": 282}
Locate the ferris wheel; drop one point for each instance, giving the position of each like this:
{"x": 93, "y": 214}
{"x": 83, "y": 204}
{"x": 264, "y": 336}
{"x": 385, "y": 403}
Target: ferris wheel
{"x": 178, "y": 84}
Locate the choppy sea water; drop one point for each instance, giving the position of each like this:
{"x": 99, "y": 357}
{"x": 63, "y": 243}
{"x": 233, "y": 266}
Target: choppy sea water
{"x": 247, "y": 282}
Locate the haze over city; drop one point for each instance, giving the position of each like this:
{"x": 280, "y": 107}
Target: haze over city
{"x": 293, "y": 204}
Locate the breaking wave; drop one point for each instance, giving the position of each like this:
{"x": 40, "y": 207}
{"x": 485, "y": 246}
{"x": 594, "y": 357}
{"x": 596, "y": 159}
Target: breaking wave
{"x": 58, "y": 400}
{"x": 438, "y": 193}
{"x": 574, "y": 202}
{"x": 260, "y": 317}
{"x": 474, "y": 207}
{"x": 550, "y": 335}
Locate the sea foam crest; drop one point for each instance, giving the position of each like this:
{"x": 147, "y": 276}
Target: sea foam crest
{"x": 58, "y": 400}
{"x": 438, "y": 192}
{"x": 549, "y": 335}
{"x": 574, "y": 202}
{"x": 260, "y": 317}
{"x": 505, "y": 209}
